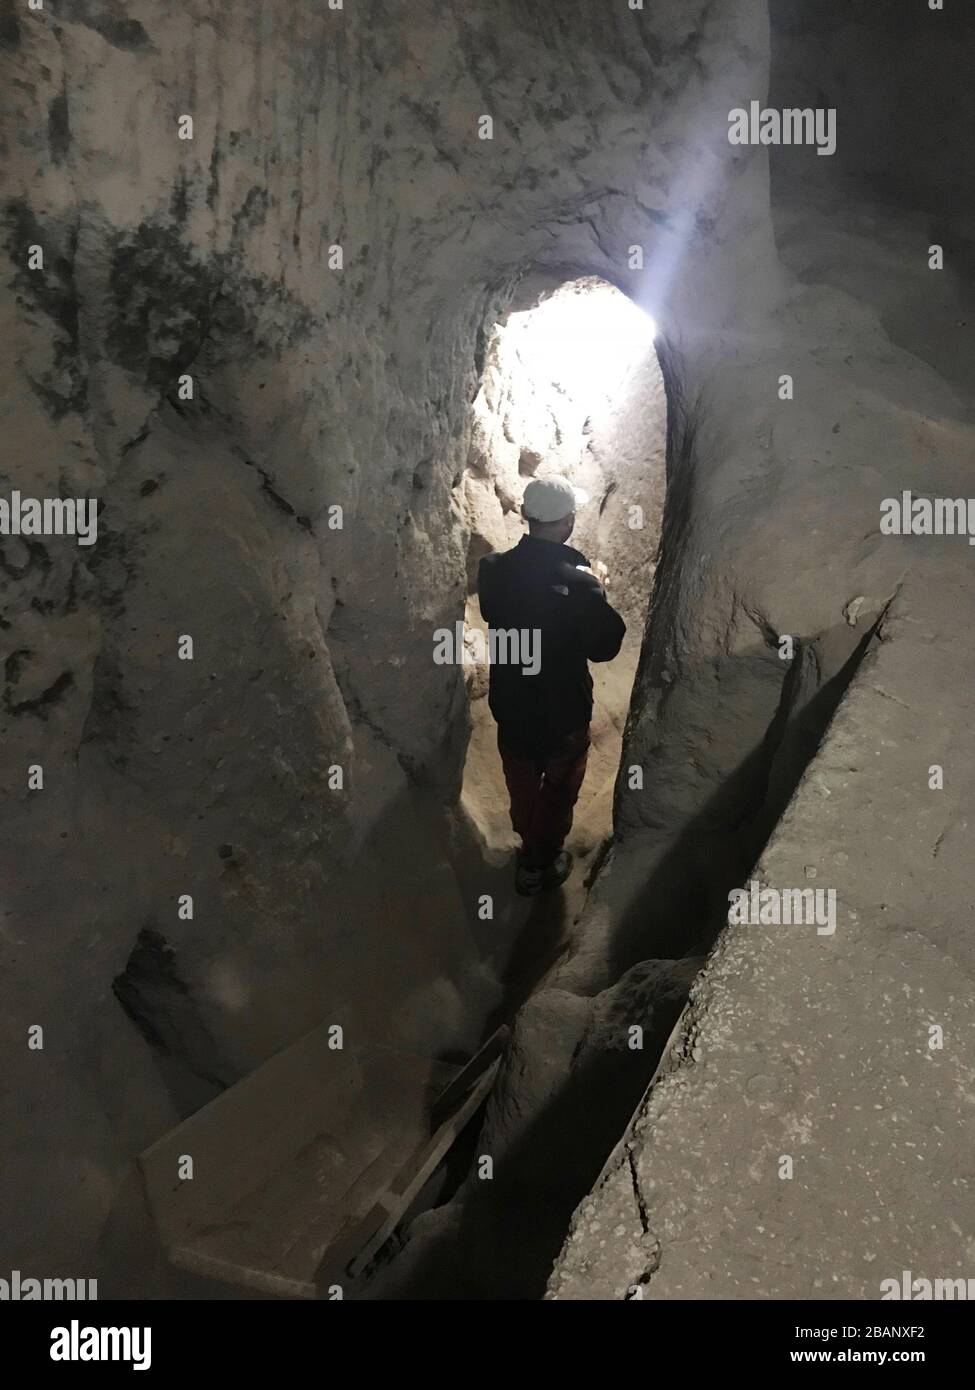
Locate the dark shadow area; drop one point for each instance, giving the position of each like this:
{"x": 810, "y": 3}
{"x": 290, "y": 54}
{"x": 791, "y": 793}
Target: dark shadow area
{"x": 159, "y": 1002}
{"x": 684, "y": 904}
{"x": 504, "y": 1235}
{"x": 894, "y": 135}
{"x": 510, "y": 1229}
{"x": 444, "y": 978}
{"x": 687, "y": 450}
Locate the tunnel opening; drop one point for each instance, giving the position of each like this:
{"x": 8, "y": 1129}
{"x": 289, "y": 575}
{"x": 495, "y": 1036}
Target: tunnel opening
{"x": 571, "y": 1081}
{"x": 538, "y": 409}
{"x": 570, "y": 385}
{"x": 549, "y": 402}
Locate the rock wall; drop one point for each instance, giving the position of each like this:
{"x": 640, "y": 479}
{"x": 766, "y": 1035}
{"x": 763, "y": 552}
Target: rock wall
{"x": 808, "y": 1133}
{"x": 325, "y": 259}
{"x": 814, "y": 1051}
{"x": 540, "y": 412}
{"x": 317, "y": 134}
{"x": 899, "y": 89}
{"x": 771, "y": 529}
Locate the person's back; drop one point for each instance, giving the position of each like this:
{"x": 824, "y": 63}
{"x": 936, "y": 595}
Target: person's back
{"x": 544, "y": 591}
{"x": 539, "y": 587}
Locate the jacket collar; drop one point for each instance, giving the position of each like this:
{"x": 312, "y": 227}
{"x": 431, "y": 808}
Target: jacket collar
{"x": 552, "y": 550}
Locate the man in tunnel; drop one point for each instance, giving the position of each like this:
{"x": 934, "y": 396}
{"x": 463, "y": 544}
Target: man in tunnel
{"x": 543, "y": 711}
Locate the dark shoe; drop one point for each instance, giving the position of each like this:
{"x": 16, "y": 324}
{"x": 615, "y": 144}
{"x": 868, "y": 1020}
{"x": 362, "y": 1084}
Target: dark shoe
{"x": 531, "y": 881}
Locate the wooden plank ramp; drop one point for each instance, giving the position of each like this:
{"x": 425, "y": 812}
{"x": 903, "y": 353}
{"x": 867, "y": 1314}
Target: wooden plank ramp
{"x": 303, "y": 1169}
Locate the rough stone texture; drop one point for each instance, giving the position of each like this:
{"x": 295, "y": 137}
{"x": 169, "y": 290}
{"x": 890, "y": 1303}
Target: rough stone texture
{"x": 318, "y": 387}
{"x": 757, "y": 544}
{"x": 820, "y": 1048}
{"x": 792, "y": 1043}
{"x": 571, "y": 1075}
{"x": 608, "y": 437}
{"x": 546, "y": 411}
{"x": 314, "y": 388}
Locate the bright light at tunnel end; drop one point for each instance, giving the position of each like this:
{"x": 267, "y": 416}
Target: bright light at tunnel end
{"x": 589, "y": 339}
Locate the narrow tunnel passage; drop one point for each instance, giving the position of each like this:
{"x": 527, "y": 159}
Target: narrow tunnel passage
{"x": 572, "y": 1077}
{"x": 571, "y": 386}
{"x": 285, "y": 293}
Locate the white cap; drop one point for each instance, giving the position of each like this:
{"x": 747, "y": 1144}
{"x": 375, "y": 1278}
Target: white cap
{"x": 552, "y": 499}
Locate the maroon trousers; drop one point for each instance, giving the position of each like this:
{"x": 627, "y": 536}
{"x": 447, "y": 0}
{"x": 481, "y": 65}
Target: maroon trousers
{"x": 543, "y": 792}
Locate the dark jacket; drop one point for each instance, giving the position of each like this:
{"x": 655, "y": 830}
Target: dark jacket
{"x": 537, "y": 586}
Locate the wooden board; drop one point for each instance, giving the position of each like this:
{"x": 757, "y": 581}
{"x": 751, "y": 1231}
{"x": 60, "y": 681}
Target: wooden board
{"x": 361, "y": 1239}
{"x": 451, "y": 1095}
{"x": 284, "y": 1160}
